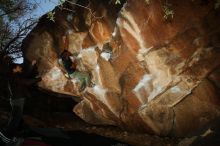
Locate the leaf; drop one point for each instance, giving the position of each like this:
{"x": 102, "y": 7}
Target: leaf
{"x": 117, "y": 2}
{"x": 168, "y": 13}
{"x": 50, "y": 16}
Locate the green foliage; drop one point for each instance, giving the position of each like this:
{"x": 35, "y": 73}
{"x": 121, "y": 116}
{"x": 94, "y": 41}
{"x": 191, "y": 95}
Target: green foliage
{"x": 51, "y": 16}
{"x": 6, "y": 6}
{"x": 13, "y": 25}
{"x": 168, "y": 12}
{"x": 117, "y": 2}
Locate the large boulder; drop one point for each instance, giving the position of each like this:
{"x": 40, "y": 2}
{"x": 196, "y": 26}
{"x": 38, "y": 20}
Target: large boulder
{"x": 154, "y": 64}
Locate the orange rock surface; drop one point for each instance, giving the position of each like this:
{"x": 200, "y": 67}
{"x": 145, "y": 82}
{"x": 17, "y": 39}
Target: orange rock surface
{"x": 161, "y": 76}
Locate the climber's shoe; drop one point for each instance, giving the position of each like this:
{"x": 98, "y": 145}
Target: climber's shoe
{"x": 67, "y": 75}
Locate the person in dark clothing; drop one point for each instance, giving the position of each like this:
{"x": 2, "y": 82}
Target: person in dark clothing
{"x": 69, "y": 63}
{"x": 19, "y": 80}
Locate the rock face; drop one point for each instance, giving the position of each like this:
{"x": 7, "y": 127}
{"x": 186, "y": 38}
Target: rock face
{"x": 154, "y": 65}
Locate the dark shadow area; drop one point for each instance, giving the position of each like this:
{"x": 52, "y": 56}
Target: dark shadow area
{"x": 75, "y": 138}
{"x": 45, "y": 109}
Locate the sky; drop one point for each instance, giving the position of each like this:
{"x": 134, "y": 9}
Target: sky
{"x": 43, "y": 6}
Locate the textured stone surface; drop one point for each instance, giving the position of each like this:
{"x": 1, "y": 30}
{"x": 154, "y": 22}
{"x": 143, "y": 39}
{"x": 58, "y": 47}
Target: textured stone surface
{"x": 162, "y": 76}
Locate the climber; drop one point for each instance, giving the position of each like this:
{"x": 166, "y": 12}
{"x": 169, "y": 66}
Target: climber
{"x": 69, "y": 62}
{"x": 19, "y": 77}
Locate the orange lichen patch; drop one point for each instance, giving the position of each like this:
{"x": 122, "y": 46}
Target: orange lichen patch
{"x": 184, "y": 43}
{"x": 133, "y": 103}
{"x": 128, "y": 82}
{"x": 123, "y": 59}
{"x": 130, "y": 41}
{"x": 100, "y": 32}
{"x": 87, "y": 42}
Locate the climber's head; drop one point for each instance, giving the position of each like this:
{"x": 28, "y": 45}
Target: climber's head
{"x": 65, "y": 55}
{"x": 17, "y": 69}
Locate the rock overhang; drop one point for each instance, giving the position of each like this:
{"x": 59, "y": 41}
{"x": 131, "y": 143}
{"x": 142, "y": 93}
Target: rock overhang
{"x": 154, "y": 70}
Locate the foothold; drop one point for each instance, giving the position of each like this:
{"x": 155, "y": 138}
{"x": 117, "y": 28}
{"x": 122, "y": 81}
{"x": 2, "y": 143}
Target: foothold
{"x": 189, "y": 80}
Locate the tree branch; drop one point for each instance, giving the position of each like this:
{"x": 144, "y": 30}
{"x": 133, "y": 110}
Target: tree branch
{"x": 22, "y": 32}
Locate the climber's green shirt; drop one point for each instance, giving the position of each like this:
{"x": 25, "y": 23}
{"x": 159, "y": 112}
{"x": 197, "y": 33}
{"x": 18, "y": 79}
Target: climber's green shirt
{"x": 83, "y": 77}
